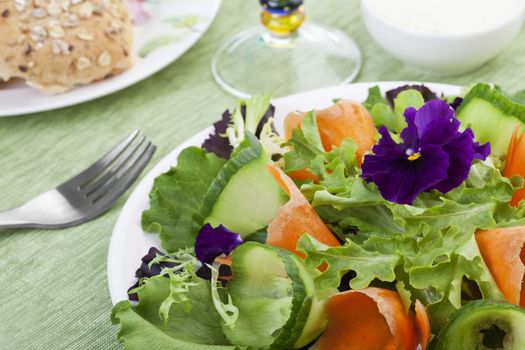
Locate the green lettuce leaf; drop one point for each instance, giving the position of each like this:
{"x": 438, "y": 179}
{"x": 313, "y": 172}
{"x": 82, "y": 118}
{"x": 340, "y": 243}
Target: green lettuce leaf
{"x": 381, "y": 112}
{"x": 429, "y": 246}
{"x": 354, "y": 203}
{"x": 183, "y": 198}
{"x": 384, "y": 115}
{"x": 307, "y": 152}
{"x": 374, "y": 97}
{"x": 466, "y": 217}
{"x": 306, "y": 145}
{"x": 196, "y": 328}
{"x": 367, "y": 265}
{"x": 406, "y": 99}
{"x": 507, "y": 216}
{"x": 439, "y": 285}
{"x": 178, "y": 195}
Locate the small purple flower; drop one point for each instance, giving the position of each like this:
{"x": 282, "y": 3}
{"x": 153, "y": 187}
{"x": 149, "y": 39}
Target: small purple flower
{"x": 434, "y": 154}
{"x": 213, "y": 242}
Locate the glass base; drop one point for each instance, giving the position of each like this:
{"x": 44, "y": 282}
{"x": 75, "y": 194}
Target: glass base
{"x": 255, "y": 61}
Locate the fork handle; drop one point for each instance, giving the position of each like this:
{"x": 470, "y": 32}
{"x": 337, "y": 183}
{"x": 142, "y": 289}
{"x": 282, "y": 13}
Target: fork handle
{"x": 12, "y": 219}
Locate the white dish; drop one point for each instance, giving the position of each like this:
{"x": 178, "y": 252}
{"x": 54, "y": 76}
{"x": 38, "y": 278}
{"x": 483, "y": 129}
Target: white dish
{"x": 449, "y": 54}
{"x": 174, "y": 25}
{"x": 129, "y": 243}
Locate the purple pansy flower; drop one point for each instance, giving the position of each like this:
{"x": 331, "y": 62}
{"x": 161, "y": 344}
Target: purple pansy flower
{"x": 213, "y": 242}
{"x": 434, "y": 154}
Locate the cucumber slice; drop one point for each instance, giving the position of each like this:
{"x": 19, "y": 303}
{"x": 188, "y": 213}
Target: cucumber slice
{"x": 274, "y": 295}
{"x": 244, "y": 195}
{"x": 315, "y": 323}
{"x": 484, "y": 324}
{"x": 491, "y": 115}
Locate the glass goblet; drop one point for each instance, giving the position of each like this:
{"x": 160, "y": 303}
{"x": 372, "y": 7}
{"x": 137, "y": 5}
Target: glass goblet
{"x": 285, "y": 55}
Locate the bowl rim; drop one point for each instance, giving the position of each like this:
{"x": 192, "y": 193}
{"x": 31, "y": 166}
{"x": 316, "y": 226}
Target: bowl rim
{"x": 518, "y": 15}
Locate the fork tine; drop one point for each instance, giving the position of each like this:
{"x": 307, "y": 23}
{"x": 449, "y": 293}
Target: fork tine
{"x": 113, "y": 169}
{"x": 112, "y": 191}
{"x": 102, "y": 163}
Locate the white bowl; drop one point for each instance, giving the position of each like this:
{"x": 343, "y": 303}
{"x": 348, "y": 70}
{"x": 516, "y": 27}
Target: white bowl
{"x": 451, "y": 54}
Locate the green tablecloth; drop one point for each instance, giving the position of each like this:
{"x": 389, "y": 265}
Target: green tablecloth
{"x": 53, "y": 289}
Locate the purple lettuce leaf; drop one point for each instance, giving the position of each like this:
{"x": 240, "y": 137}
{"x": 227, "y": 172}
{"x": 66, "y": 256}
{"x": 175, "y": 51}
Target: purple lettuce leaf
{"x": 145, "y": 271}
{"x": 219, "y": 144}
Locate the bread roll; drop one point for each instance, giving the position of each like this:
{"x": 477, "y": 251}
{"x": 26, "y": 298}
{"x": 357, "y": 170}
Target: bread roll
{"x": 57, "y": 44}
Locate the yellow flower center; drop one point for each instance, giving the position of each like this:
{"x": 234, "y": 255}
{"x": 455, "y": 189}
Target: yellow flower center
{"x": 414, "y": 156}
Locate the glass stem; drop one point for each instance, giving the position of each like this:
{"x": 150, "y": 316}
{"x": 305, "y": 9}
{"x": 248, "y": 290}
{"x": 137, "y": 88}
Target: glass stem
{"x": 281, "y": 25}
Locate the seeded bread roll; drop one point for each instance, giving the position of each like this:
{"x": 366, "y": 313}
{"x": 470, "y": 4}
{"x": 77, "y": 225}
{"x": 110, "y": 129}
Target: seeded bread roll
{"x": 57, "y": 44}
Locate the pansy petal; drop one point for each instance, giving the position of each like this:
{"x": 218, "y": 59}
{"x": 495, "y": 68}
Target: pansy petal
{"x": 430, "y": 112}
{"x": 400, "y": 180}
{"x": 440, "y": 131}
{"x": 410, "y": 114}
{"x": 480, "y": 151}
{"x": 409, "y": 134}
{"x": 461, "y": 155}
{"x": 386, "y": 162}
{"x": 213, "y": 242}
{"x": 386, "y": 153}
{"x": 385, "y": 142}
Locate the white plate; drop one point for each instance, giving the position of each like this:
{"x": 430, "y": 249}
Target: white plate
{"x": 129, "y": 243}
{"x": 175, "y": 25}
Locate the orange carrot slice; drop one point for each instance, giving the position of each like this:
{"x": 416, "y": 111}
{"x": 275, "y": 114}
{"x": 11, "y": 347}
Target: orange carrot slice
{"x": 224, "y": 260}
{"x": 303, "y": 175}
{"x": 516, "y": 162}
{"x": 422, "y": 325}
{"x": 503, "y": 251}
{"x": 371, "y": 319}
{"x": 345, "y": 119}
{"x": 292, "y": 121}
{"x": 295, "y": 218}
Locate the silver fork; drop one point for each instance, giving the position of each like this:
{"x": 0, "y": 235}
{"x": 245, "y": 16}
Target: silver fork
{"x": 88, "y": 194}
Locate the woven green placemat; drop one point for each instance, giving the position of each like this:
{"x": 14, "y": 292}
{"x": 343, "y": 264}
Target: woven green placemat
{"x": 53, "y": 289}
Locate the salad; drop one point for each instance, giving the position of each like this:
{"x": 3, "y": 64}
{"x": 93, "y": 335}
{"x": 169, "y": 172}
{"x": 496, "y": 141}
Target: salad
{"x": 396, "y": 223}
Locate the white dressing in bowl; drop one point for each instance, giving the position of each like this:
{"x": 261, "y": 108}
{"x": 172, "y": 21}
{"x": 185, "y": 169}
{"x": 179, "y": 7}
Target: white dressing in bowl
{"x": 445, "y": 16}
{"x": 451, "y": 37}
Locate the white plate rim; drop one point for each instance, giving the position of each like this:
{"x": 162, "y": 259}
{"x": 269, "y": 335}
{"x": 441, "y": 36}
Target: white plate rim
{"x": 117, "y": 84}
{"x": 131, "y": 211}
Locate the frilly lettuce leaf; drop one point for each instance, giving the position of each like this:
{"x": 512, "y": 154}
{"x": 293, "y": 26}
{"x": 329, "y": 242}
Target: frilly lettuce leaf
{"x": 306, "y": 145}
{"x": 177, "y": 196}
{"x": 428, "y": 246}
{"x": 368, "y": 265}
{"x": 374, "y": 97}
{"x": 439, "y": 285}
{"x": 507, "y": 216}
{"x": 381, "y": 111}
{"x": 390, "y": 113}
{"x": 472, "y": 205}
{"x": 466, "y": 217}
{"x": 307, "y": 152}
{"x": 430, "y": 269}
{"x": 196, "y": 328}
